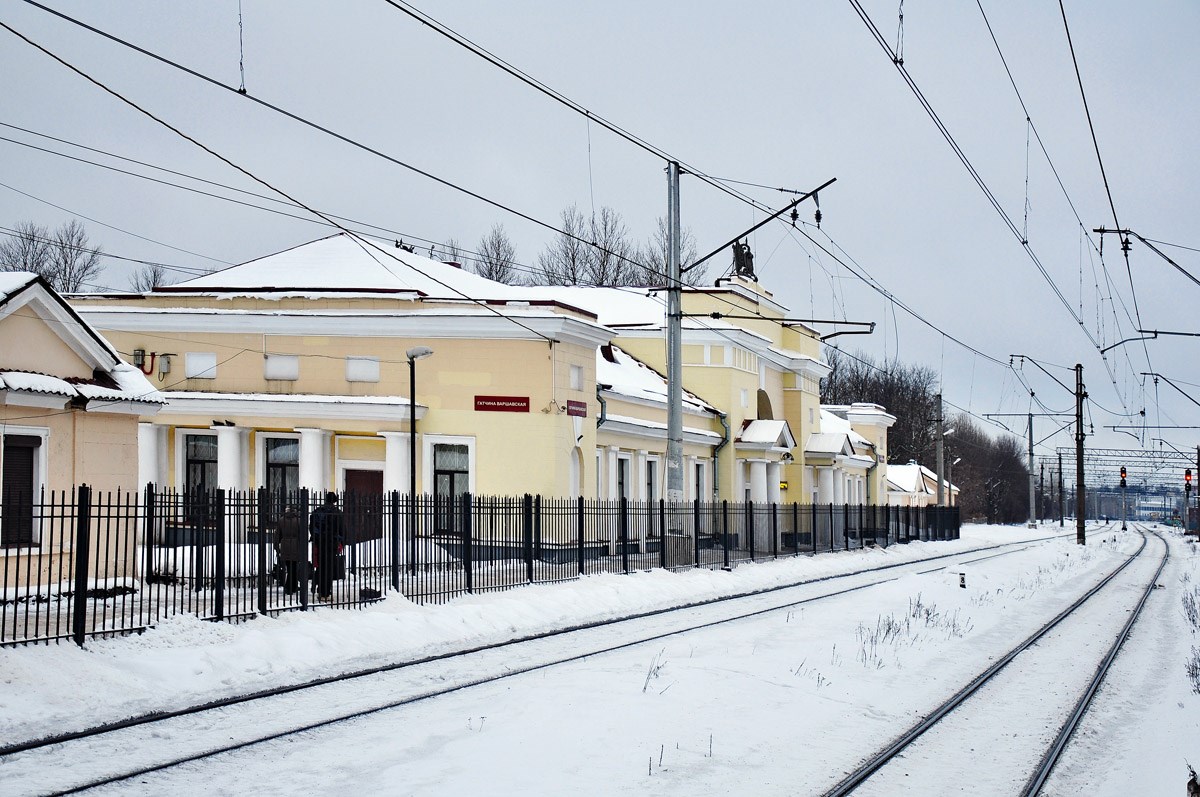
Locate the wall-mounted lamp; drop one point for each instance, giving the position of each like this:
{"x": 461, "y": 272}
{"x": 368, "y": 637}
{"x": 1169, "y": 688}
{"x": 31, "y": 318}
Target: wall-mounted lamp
{"x": 139, "y": 357}
{"x": 787, "y": 457}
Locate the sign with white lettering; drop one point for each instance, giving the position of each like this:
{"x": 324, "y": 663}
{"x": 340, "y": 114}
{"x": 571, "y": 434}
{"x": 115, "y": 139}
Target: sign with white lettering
{"x": 577, "y": 408}
{"x": 502, "y": 403}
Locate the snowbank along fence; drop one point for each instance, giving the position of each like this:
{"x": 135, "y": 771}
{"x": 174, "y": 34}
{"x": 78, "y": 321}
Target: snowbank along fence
{"x": 84, "y": 564}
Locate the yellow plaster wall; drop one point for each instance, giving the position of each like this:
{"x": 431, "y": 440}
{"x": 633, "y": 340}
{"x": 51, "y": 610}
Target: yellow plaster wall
{"x": 27, "y": 343}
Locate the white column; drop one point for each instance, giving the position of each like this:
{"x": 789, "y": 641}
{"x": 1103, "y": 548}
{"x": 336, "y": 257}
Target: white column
{"x": 758, "y": 481}
{"x": 314, "y": 453}
{"x": 839, "y": 486}
{"x": 774, "y": 469}
{"x": 640, "y": 492}
{"x": 689, "y": 479}
{"x": 825, "y": 481}
{"x": 612, "y": 472}
{"x": 152, "y": 455}
{"x": 231, "y": 457}
{"x": 395, "y": 461}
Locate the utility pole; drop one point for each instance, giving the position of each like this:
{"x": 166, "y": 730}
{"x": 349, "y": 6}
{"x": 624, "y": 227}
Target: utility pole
{"x": 1041, "y": 503}
{"x": 940, "y": 454}
{"x": 1032, "y": 515}
{"x": 1060, "y": 491}
{"x": 1080, "y": 505}
{"x": 674, "y": 342}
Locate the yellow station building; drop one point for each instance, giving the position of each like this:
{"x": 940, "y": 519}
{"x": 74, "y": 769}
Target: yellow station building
{"x": 293, "y": 371}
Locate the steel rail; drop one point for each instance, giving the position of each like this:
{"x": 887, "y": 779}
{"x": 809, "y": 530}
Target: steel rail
{"x": 245, "y": 743}
{"x": 158, "y": 716}
{"x": 1035, "y": 783}
{"x": 898, "y": 745}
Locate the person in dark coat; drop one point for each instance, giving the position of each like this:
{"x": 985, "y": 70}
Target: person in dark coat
{"x": 291, "y": 547}
{"x": 327, "y": 525}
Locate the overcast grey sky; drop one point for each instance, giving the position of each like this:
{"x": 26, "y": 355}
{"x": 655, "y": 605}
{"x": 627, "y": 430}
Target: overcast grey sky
{"x": 783, "y": 94}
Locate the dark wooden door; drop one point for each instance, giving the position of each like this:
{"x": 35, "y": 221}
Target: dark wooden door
{"x": 364, "y": 505}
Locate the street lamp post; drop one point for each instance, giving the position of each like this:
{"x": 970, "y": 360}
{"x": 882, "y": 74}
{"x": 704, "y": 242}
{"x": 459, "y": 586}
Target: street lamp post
{"x": 414, "y": 354}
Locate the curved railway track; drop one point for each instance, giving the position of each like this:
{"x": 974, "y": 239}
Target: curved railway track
{"x": 112, "y": 742}
{"x": 902, "y": 746}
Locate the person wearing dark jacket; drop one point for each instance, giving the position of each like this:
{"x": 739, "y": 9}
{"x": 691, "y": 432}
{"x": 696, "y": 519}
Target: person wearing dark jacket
{"x": 326, "y": 524}
{"x": 291, "y": 547}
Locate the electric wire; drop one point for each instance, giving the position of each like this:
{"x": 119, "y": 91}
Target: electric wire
{"x": 257, "y": 179}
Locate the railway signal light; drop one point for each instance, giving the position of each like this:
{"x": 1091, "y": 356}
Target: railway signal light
{"x": 1122, "y": 475}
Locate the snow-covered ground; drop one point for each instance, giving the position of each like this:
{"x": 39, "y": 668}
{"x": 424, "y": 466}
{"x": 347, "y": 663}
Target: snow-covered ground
{"x": 782, "y": 703}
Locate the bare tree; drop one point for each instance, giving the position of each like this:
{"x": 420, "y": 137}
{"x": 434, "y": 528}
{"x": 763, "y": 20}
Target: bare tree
{"x": 452, "y": 251}
{"x": 64, "y": 258}
{"x": 147, "y": 278}
{"x": 595, "y": 251}
{"x": 612, "y": 256}
{"x": 497, "y": 257}
{"x": 653, "y": 257}
{"x": 27, "y": 249}
{"x": 566, "y": 259}
{"x": 74, "y": 262}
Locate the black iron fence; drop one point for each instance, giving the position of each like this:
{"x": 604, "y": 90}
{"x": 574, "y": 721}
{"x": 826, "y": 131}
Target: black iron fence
{"x": 98, "y": 564}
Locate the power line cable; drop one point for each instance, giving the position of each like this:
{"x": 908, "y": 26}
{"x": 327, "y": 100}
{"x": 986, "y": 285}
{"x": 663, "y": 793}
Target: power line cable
{"x": 362, "y": 243}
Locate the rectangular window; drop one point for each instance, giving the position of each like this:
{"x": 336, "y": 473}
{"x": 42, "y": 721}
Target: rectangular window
{"x": 282, "y": 366}
{"x": 362, "y": 369}
{"x": 282, "y": 481}
{"x": 701, "y": 493}
{"x": 200, "y": 365}
{"x": 577, "y": 377}
{"x": 651, "y": 479}
{"x": 20, "y": 488}
{"x": 451, "y": 479}
{"x": 200, "y": 463}
{"x": 623, "y": 477}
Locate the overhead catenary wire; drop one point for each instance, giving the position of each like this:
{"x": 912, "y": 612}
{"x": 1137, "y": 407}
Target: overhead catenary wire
{"x": 981, "y": 183}
{"x": 252, "y": 176}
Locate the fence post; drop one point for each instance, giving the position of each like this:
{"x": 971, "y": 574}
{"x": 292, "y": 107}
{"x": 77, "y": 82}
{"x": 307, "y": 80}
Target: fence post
{"x": 262, "y": 549}
{"x": 623, "y": 507}
{"x": 696, "y": 532}
{"x": 468, "y": 543}
{"x": 306, "y": 565}
{"x": 725, "y": 530}
{"x": 537, "y": 527}
{"x": 846, "y": 525}
{"x": 749, "y": 524}
{"x": 219, "y": 583}
{"x": 579, "y": 528}
{"x": 148, "y": 536}
{"x": 662, "y": 533}
{"x": 395, "y": 539}
{"x": 774, "y": 531}
{"x": 83, "y": 522}
{"x": 527, "y": 534}
{"x": 796, "y": 529}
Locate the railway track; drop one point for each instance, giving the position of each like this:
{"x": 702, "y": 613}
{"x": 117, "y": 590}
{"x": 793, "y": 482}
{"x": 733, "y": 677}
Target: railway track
{"x": 1017, "y": 706}
{"x": 102, "y": 755}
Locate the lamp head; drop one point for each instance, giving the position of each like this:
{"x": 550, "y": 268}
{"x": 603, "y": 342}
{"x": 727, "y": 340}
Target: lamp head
{"x": 417, "y": 352}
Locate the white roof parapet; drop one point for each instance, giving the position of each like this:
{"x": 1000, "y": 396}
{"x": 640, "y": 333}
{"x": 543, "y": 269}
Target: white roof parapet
{"x": 290, "y": 405}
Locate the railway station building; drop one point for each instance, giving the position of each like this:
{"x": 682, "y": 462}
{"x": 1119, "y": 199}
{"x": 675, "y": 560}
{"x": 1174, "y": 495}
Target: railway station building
{"x": 294, "y": 370}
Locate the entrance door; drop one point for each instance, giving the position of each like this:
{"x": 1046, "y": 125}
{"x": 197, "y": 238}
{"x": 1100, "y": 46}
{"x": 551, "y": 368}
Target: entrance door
{"x": 364, "y": 505}
{"x": 16, "y": 510}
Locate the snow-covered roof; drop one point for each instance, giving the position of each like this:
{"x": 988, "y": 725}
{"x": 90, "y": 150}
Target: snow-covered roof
{"x": 620, "y": 307}
{"x": 342, "y": 263}
{"x": 628, "y": 376}
{"x": 128, "y": 384}
{"x": 833, "y": 423}
{"x": 914, "y": 478}
{"x": 775, "y": 434}
{"x": 906, "y": 478}
{"x": 13, "y": 281}
{"x": 827, "y": 443}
